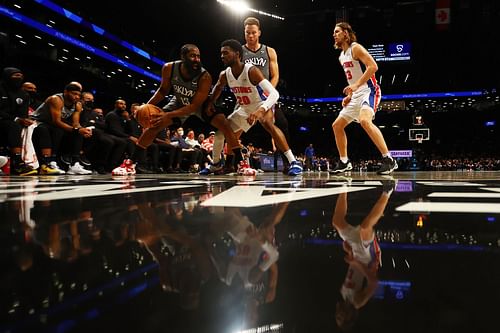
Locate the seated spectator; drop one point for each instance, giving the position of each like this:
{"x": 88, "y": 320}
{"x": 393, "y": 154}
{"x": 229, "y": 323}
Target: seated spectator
{"x": 118, "y": 124}
{"x": 28, "y": 150}
{"x": 59, "y": 131}
{"x": 193, "y": 143}
{"x": 207, "y": 148}
{"x": 253, "y": 157}
{"x": 104, "y": 150}
{"x": 14, "y": 103}
{"x": 34, "y": 101}
{"x": 188, "y": 153}
{"x": 201, "y": 138}
{"x": 173, "y": 159}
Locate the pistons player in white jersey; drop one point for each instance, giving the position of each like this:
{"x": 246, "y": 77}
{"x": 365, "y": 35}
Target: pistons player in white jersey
{"x": 362, "y": 98}
{"x": 250, "y": 87}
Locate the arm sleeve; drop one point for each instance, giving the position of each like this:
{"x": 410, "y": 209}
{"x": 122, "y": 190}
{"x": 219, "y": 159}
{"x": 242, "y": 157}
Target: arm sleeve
{"x": 273, "y": 94}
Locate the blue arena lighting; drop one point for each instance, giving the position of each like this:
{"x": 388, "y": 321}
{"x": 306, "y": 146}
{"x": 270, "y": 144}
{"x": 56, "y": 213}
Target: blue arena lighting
{"x": 303, "y": 129}
{"x": 406, "y": 96}
{"x": 324, "y": 99}
{"x": 75, "y": 42}
{"x": 435, "y": 95}
{"x": 98, "y": 30}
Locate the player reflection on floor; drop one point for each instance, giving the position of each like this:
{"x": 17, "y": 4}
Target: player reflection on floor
{"x": 362, "y": 254}
{"x": 245, "y": 256}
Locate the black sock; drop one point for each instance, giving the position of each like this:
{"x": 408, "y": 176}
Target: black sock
{"x": 16, "y": 159}
{"x": 45, "y": 160}
{"x": 229, "y": 161}
{"x": 139, "y": 155}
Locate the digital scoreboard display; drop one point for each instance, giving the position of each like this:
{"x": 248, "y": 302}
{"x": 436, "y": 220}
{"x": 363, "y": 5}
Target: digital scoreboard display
{"x": 391, "y": 51}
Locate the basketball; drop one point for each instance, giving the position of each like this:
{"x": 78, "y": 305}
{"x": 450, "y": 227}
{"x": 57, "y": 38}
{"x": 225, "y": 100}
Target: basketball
{"x": 146, "y": 113}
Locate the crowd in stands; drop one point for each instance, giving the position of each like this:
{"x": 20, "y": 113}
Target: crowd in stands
{"x": 407, "y": 164}
{"x": 66, "y": 133}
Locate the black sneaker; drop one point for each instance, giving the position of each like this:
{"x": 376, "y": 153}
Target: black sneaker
{"x": 158, "y": 170}
{"x": 142, "y": 170}
{"x": 388, "y": 166}
{"x": 101, "y": 170}
{"x": 23, "y": 169}
{"x": 342, "y": 167}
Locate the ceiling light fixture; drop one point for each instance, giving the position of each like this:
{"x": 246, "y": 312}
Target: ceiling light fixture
{"x": 241, "y": 7}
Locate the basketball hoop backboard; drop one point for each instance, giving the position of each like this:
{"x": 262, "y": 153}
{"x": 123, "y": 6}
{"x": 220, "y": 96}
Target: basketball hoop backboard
{"x": 419, "y": 134}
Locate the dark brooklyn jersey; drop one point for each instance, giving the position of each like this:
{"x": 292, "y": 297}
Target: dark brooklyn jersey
{"x": 259, "y": 58}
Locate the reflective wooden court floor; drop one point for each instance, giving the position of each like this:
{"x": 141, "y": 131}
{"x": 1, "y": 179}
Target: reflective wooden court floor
{"x": 412, "y": 252}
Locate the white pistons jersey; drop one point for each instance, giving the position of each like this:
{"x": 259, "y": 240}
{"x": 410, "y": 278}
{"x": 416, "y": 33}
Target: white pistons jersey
{"x": 368, "y": 93}
{"x": 353, "y": 71}
{"x": 248, "y": 96}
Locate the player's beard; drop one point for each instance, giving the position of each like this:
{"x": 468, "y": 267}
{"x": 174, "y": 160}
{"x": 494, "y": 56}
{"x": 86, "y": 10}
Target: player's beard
{"x": 194, "y": 68}
{"x": 229, "y": 62}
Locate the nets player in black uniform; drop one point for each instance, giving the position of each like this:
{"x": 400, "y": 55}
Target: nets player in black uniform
{"x": 266, "y": 58}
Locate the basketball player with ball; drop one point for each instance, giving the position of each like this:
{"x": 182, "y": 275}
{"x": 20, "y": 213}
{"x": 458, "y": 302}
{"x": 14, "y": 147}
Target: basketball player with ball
{"x": 190, "y": 84}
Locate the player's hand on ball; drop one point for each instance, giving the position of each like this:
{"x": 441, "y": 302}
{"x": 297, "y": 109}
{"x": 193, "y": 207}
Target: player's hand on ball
{"x": 147, "y": 113}
{"x": 161, "y": 120}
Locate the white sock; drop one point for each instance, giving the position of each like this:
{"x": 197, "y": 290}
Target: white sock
{"x": 218, "y": 146}
{"x": 387, "y": 155}
{"x": 289, "y": 155}
{"x": 344, "y": 159}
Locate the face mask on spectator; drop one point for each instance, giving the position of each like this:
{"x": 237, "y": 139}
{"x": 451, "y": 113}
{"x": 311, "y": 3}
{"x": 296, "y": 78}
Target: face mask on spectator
{"x": 181, "y": 133}
{"x": 12, "y": 82}
{"x": 88, "y": 104}
{"x": 16, "y": 82}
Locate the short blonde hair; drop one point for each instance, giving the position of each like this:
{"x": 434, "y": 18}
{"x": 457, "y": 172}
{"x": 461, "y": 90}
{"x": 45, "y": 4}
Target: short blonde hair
{"x": 251, "y": 21}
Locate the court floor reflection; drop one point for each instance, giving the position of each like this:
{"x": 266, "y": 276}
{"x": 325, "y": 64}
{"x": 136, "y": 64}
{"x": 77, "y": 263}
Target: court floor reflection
{"x": 227, "y": 254}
